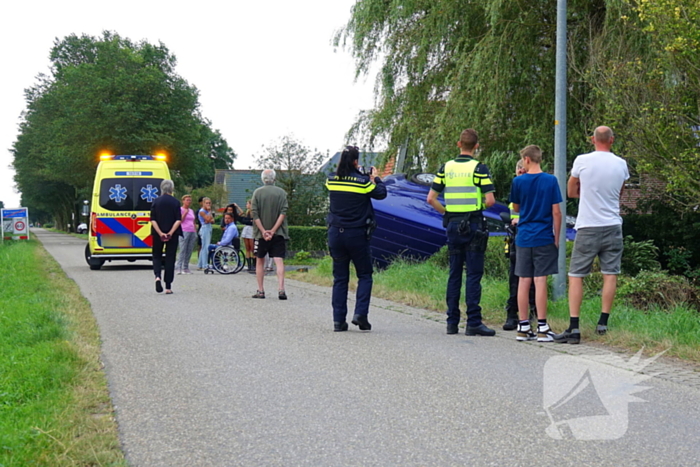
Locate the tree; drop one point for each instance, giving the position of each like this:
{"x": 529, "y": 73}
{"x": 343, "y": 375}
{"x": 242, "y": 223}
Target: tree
{"x": 2, "y": 205}
{"x": 297, "y": 170}
{"x": 447, "y": 65}
{"x": 650, "y": 86}
{"x": 450, "y": 64}
{"x": 110, "y": 94}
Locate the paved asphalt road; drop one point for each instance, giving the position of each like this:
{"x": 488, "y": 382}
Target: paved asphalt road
{"x": 210, "y": 377}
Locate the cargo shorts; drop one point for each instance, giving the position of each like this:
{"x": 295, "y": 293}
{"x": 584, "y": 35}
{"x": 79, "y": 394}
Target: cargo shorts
{"x": 604, "y": 242}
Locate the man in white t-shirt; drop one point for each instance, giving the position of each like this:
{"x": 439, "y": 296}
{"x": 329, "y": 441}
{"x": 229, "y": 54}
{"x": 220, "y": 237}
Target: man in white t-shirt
{"x": 597, "y": 178}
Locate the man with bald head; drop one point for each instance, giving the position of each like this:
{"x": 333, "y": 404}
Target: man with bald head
{"x": 597, "y": 178}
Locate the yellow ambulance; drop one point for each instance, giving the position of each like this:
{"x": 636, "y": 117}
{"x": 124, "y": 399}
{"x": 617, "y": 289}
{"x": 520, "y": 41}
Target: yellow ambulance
{"x": 120, "y": 208}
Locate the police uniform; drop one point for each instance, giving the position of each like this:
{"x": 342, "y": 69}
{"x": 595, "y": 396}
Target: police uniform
{"x": 349, "y": 219}
{"x": 463, "y": 182}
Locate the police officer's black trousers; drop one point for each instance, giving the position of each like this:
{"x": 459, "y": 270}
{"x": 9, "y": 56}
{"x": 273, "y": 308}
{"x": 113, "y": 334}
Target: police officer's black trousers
{"x": 348, "y": 245}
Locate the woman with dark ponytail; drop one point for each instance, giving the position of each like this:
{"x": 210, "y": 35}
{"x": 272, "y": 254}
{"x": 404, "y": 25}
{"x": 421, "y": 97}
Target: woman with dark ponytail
{"x": 349, "y": 230}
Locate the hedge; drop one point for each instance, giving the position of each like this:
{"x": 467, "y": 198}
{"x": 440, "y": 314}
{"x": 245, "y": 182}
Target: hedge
{"x": 300, "y": 238}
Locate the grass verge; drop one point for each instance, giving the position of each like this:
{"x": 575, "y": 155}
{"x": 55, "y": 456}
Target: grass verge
{"x": 54, "y": 404}
{"x": 423, "y": 285}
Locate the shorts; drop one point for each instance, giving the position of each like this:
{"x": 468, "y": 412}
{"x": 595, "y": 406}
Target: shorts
{"x": 247, "y": 232}
{"x": 604, "y": 242}
{"x": 276, "y": 248}
{"x": 536, "y": 261}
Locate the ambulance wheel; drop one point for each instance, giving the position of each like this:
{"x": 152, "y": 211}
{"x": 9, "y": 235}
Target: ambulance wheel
{"x": 94, "y": 263}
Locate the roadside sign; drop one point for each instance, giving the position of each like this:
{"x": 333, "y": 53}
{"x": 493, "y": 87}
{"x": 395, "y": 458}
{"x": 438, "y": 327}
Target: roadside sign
{"x": 15, "y": 224}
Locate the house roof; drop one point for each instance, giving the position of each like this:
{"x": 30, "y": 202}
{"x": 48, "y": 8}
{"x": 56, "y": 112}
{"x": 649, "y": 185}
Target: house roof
{"x": 367, "y": 159}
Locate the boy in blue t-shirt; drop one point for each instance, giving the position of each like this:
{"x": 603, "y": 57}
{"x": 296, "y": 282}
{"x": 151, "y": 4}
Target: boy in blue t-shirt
{"x": 536, "y": 196}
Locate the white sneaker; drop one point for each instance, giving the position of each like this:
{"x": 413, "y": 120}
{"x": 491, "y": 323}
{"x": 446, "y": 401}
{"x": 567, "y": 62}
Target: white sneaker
{"x": 179, "y": 272}
{"x": 545, "y": 334}
{"x": 525, "y": 333}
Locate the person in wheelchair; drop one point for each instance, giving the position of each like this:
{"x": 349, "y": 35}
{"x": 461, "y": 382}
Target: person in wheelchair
{"x": 230, "y": 236}
{"x": 224, "y": 257}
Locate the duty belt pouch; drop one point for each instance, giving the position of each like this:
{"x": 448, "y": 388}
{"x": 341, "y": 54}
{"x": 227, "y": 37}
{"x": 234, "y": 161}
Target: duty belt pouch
{"x": 371, "y": 225}
{"x": 481, "y": 237}
{"x": 464, "y": 228}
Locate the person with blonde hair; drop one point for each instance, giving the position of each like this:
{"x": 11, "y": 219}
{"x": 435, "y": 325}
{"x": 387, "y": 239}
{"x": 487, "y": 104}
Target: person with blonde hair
{"x": 535, "y": 196}
{"x": 512, "y": 304}
{"x": 206, "y": 219}
{"x": 189, "y": 236}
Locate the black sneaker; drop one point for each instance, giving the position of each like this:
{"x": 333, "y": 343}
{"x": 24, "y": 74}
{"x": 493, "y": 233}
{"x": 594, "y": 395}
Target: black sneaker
{"x": 572, "y": 336}
{"x": 511, "y": 324}
{"x": 601, "y": 329}
{"x": 362, "y": 322}
{"x": 452, "y": 329}
{"x": 340, "y": 326}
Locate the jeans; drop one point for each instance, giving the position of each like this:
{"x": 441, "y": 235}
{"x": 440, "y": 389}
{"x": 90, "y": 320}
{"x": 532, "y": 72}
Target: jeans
{"x": 186, "y": 249}
{"x": 348, "y": 245}
{"x": 170, "y": 252}
{"x": 461, "y": 250}
{"x": 205, "y": 234}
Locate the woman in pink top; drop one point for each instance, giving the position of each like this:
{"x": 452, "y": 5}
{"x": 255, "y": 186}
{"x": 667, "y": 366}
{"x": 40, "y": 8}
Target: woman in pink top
{"x": 189, "y": 234}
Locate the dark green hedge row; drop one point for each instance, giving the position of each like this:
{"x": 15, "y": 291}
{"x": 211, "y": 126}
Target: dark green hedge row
{"x": 308, "y": 238}
{"x": 300, "y": 238}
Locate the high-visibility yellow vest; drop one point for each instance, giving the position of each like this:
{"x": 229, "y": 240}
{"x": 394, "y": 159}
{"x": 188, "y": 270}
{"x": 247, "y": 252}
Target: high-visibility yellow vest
{"x": 513, "y": 214}
{"x": 461, "y": 195}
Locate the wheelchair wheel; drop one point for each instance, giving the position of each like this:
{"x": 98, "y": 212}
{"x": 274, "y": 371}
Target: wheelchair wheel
{"x": 225, "y": 260}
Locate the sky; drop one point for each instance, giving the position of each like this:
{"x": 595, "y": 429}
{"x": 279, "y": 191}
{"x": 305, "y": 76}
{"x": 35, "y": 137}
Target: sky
{"x": 263, "y": 69}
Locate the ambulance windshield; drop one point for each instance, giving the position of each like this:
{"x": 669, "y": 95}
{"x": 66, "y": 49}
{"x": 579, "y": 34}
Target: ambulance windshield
{"x": 129, "y": 194}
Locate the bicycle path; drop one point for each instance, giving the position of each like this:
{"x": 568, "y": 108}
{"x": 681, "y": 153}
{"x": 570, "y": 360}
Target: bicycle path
{"x": 211, "y": 377}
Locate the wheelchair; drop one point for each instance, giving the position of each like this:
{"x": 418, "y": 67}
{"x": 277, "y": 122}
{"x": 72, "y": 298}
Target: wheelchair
{"x": 225, "y": 260}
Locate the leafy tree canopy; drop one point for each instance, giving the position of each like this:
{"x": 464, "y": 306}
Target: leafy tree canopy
{"x": 108, "y": 93}
{"x": 297, "y": 172}
{"x": 445, "y": 65}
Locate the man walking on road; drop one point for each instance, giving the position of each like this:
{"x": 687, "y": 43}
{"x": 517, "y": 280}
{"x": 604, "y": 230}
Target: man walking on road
{"x": 269, "y": 209}
{"x": 165, "y": 232}
{"x": 597, "y": 178}
{"x": 468, "y": 189}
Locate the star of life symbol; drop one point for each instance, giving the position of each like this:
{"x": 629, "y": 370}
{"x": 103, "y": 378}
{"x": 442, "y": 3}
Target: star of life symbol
{"x": 586, "y": 398}
{"x": 149, "y": 193}
{"x": 117, "y": 193}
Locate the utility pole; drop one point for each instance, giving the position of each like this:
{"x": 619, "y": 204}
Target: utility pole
{"x": 560, "y": 143}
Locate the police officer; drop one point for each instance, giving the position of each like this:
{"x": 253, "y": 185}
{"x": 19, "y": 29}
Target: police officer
{"x": 350, "y": 224}
{"x": 467, "y": 188}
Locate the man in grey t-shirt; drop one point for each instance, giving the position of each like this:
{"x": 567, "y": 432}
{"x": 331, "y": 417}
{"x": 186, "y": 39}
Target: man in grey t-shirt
{"x": 269, "y": 208}
{"x": 597, "y": 178}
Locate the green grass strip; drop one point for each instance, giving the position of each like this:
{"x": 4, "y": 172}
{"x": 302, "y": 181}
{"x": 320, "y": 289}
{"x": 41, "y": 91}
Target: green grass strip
{"x": 54, "y": 405}
{"x": 423, "y": 285}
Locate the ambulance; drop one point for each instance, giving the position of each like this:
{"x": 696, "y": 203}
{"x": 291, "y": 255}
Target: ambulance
{"x": 120, "y": 208}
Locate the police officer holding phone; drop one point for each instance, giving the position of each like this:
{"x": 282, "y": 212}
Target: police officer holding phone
{"x": 467, "y": 188}
{"x": 350, "y": 225}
